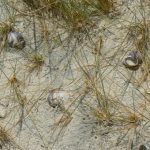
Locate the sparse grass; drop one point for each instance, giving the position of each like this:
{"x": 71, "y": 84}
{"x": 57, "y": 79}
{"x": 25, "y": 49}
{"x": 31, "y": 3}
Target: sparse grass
{"x": 17, "y": 96}
{"x": 96, "y": 82}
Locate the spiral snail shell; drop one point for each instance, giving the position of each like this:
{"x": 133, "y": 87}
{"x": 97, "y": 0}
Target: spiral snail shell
{"x": 133, "y": 60}
{"x": 16, "y": 40}
{"x": 53, "y": 102}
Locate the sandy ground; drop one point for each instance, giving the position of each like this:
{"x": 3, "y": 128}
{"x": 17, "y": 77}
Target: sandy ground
{"x": 36, "y": 125}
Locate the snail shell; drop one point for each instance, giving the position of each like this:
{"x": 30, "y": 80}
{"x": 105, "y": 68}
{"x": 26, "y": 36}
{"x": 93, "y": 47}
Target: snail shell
{"x": 16, "y": 40}
{"x": 142, "y": 147}
{"x": 133, "y": 61}
{"x": 53, "y": 101}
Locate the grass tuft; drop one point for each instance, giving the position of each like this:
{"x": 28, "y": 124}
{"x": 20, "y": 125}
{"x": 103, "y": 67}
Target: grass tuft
{"x": 35, "y": 63}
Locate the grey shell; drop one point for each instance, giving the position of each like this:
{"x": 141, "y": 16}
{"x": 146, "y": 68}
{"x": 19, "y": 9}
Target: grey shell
{"x": 16, "y": 40}
{"x": 136, "y": 58}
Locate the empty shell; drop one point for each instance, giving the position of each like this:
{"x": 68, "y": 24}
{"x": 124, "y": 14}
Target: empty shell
{"x": 16, "y": 40}
{"x": 53, "y": 102}
{"x": 133, "y": 60}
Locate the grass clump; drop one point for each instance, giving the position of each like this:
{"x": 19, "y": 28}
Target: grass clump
{"x": 101, "y": 6}
{"x": 139, "y": 33}
{"x": 35, "y": 62}
{"x": 75, "y": 15}
{"x": 6, "y": 141}
{"x": 42, "y": 7}
{"x": 57, "y": 6}
{"x": 5, "y": 28}
{"x": 14, "y": 82}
